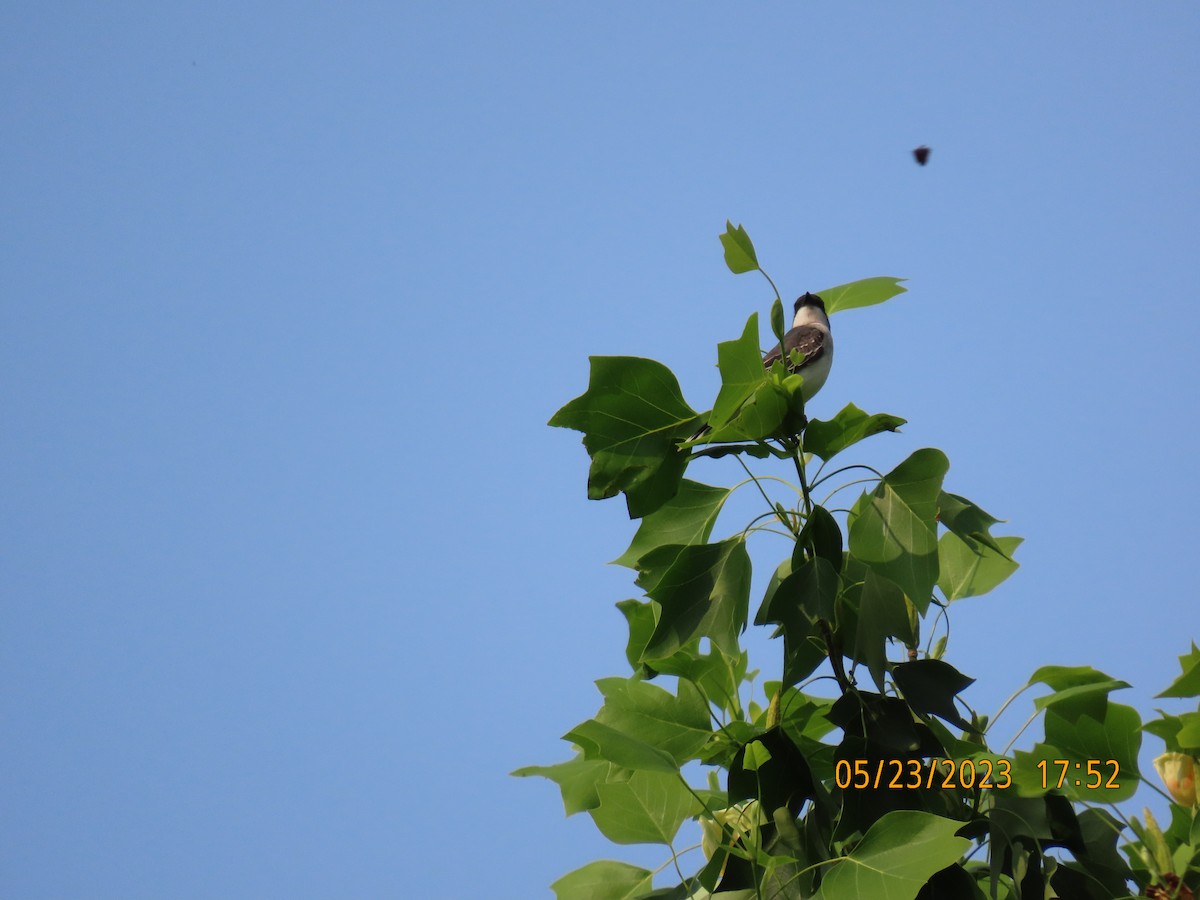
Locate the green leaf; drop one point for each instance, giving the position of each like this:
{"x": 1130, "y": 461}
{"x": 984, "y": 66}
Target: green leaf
{"x": 803, "y": 717}
{"x": 851, "y": 425}
{"x": 1081, "y": 689}
{"x": 776, "y": 774}
{"x": 804, "y": 596}
{"x": 826, "y": 439}
{"x": 795, "y": 600}
{"x": 778, "y": 322}
{"x": 1101, "y": 861}
{"x": 898, "y": 854}
{"x": 1188, "y": 735}
{"x": 856, "y": 509}
{"x": 822, "y": 536}
{"x": 605, "y": 879}
{"x": 1064, "y": 678}
{"x": 600, "y": 741}
{"x": 895, "y": 533}
{"x": 717, "y": 675}
{"x": 739, "y": 251}
{"x": 703, "y": 589}
{"x": 641, "y": 619}
{"x": 964, "y": 572}
{"x": 1111, "y": 731}
{"x": 741, "y": 367}
{"x": 865, "y": 292}
{"x": 632, "y": 415}
{"x": 646, "y": 809}
{"x": 749, "y": 405}
{"x": 1018, "y": 823}
{"x": 758, "y": 451}
{"x": 930, "y": 686}
{"x": 1188, "y": 683}
{"x": 803, "y": 649}
{"x": 882, "y": 614}
{"x": 576, "y": 779}
{"x": 759, "y": 417}
{"x": 756, "y": 755}
{"x": 968, "y": 521}
{"x": 678, "y": 725}
{"x": 1166, "y": 728}
{"x": 685, "y": 519}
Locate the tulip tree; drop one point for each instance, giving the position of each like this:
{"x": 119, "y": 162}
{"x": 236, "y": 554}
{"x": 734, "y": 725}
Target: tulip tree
{"x": 890, "y": 787}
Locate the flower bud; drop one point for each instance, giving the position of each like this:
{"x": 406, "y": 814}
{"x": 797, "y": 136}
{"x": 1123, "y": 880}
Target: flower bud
{"x": 1178, "y": 772}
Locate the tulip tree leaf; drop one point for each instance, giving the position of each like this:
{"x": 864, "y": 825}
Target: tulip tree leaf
{"x": 930, "y": 686}
{"x": 968, "y": 521}
{"x": 822, "y": 535}
{"x": 685, "y": 519}
{"x": 1188, "y": 683}
{"x": 739, "y": 251}
{"x": 895, "y": 531}
{"x": 632, "y": 416}
{"x": 600, "y": 741}
{"x": 865, "y": 292}
{"x": 795, "y": 600}
{"x": 803, "y": 649}
{"x": 802, "y": 597}
{"x": 851, "y": 425}
{"x": 759, "y": 417}
{"x": 758, "y": 451}
{"x": 1116, "y": 737}
{"x": 749, "y": 405}
{"x": 740, "y": 364}
{"x": 898, "y": 854}
{"x": 778, "y": 323}
{"x": 1188, "y": 735}
{"x": 717, "y": 675}
{"x": 576, "y": 779}
{"x": 703, "y": 590}
{"x": 964, "y": 572}
{"x": 678, "y": 725}
{"x": 756, "y": 755}
{"x": 605, "y": 879}
{"x": 882, "y": 614}
{"x": 1080, "y": 689}
{"x": 641, "y": 619}
{"x": 648, "y": 808}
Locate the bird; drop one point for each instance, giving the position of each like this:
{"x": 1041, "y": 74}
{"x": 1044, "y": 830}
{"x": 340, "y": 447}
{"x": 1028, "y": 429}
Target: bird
{"x": 810, "y": 334}
{"x": 921, "y": 155}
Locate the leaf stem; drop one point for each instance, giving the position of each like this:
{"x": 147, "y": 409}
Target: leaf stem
{"x": 770, "y": 282}
{"x": 1020, "y": 731}
{"x": 678, "y": 870}
{"x": 831, "y": 494}
{"x": 754, "y": 478}
{"x": 819, "y": 480}
{"x": 805, "y": 492}
{"x": 1006, "y": 703}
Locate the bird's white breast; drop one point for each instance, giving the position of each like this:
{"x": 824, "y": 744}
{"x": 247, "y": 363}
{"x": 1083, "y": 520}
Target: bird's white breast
{"x": 816, "y": 372}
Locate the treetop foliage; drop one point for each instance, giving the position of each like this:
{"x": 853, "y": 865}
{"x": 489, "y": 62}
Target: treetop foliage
{"x": 890, "y": 787}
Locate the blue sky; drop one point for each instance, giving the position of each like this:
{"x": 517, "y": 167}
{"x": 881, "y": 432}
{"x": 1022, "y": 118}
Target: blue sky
{"x": 294, "y": 572}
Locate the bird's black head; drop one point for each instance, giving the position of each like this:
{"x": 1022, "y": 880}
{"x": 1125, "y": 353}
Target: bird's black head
{"x": 809, "y": 300}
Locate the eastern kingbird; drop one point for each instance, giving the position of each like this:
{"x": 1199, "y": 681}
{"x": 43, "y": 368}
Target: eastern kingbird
{"x": 810, "y": 335}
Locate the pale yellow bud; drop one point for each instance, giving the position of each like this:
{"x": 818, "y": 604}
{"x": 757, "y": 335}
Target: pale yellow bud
{"x": 743, "y": 820}
{"x": 1178, "y": 772}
